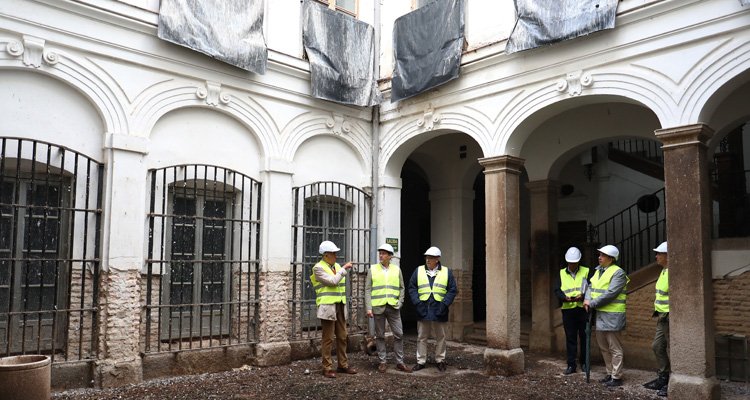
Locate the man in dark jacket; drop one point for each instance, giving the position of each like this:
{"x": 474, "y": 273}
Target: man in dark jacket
{"x": 432, "y": 289}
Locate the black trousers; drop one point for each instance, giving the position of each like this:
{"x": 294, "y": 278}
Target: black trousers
{"x": 574, "y": 323}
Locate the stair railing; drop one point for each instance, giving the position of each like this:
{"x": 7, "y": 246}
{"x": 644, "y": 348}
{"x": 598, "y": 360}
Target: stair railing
{"x": 648, "y": 149}
{"x": 635, "y": 231}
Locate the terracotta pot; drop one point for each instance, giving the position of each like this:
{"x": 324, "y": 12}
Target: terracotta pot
{"x": 25, "y": 377}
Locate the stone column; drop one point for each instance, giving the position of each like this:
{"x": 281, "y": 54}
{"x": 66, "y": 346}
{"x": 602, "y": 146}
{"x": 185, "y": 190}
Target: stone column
{"x": 503, "y": 355}
{"x": 119, "y": 360}
{"x": 688, "y": 205}
{"x": 453, "y": 232}
{"x": 543, "y": 198}
{"x": 389, "y": 213}
{"x": 275, "y": 276}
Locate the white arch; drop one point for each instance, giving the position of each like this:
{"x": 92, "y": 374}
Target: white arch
{"x": 82, "y": 75}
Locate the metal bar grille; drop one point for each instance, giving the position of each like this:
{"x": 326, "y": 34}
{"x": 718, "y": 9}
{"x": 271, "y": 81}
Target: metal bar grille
{"x": 50, "y": 224}
{"x": 342, "y": 214}
{"x": 635, "y": 231}
{"x": 201, "y": 286}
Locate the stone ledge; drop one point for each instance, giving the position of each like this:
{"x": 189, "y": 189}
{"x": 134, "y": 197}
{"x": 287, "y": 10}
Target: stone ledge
{"x": 693, "y": 387}
{"x": 268, "y": 354}
{"x": 504, "y": 362}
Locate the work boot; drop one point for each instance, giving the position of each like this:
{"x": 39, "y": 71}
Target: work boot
{"x": 606, "y": 379}
{"x": 441, "y": 366}
{"x": 418, "y": 367}
{"x": 570, "y": 370}
{"x": 613, "y": 382}
{"x": 657, "y": 383}
{"x": 663, "y": 391}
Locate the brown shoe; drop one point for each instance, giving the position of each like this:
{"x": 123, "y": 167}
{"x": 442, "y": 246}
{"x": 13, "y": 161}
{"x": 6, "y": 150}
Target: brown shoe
{"x": 347, "y": 370}
{"x": 403, "y": 367}
{"x": 328, "y": 373}
{"x": 382, "y": 367}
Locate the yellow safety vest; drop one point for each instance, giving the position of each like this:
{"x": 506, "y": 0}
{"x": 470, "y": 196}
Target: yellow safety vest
{"x": 328, "y": 294}
{"x": 599, "y": 285}
{"x": 572, "y": 286}
{"x": 661, "y": 302}
{"x": 439, "y": 286}
{"x": 386, "y": 288}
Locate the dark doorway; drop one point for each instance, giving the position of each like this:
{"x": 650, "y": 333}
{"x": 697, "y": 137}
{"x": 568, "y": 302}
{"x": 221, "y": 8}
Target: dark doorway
{"x": 415, "y": 230}
{"x": 479, "y": 273}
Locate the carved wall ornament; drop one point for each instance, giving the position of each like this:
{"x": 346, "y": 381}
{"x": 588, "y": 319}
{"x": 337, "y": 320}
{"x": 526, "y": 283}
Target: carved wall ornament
{"x": 338, "y": 124}
{"x": 574, "y": 82}
{"x": 33, "y": 48}
{"x": 51, "y": 57}
{"x": 212, "y": 94}
{"x": 14, "y": 48}
{"x": 429, "y": 119}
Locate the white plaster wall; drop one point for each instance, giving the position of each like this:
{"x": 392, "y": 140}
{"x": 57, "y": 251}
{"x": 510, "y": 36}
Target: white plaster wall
{"x": 203, "y": 136}
{"x": 327, "y": 158}
{"x": 33, "y": 105}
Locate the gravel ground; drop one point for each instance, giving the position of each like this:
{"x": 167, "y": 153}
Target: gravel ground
{"x": 465, "y": 379}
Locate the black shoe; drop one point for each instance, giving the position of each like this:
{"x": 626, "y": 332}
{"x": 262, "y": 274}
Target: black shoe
{"x": 606, "y": 379}
{"x": 657, "y": 383}
{"x": 613, "y": 383}
{"x": 570, "y": 370}
{"x": 442, "y": 367}
{"x": 663, "y": 391}
{"x": 418, "y": 367}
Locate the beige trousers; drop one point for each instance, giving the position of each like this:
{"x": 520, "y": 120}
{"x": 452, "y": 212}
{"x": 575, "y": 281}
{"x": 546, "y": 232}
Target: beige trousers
{"x": 424, "y": 329}
{"x": 611, "y": 349}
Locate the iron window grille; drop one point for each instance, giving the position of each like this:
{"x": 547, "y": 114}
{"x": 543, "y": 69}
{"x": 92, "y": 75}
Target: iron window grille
{"x": 50, "y": 224}
{"x": 339, "y": 213}
{"x": 201, "y": 283}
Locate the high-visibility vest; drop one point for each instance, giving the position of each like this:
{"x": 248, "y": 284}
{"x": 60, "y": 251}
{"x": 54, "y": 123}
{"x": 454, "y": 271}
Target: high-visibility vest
{"x": 386, "y": 288}
{"x": 661, "y": 303}
{"x": 328, "y": 294}
{"x": 599, "y": 285}
{"x": 439, "y": 286}
{"x": 572, "y": 286}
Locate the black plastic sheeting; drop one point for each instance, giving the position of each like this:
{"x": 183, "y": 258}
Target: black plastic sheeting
{"x": 227, "y": 30}
{"x": 543, "y": 22}
{"x": 427, "y": 46}
{"x": 341, "y": 51}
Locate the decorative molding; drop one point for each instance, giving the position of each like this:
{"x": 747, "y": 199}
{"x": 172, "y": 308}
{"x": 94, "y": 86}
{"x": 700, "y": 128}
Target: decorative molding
{"x": 429, "y": 119}
{"x": 14, "y": 48}
{"x": 574, "y": 82}
{"x": 338, "y": 124}
{"x": 212, "y": 94}
{"x": 50, "y": 57}
{"x": 32, "y": 52}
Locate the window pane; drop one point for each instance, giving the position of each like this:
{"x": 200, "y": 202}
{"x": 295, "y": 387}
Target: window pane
{"x": 181, "y": 284}
{"x": 348, "y": 5}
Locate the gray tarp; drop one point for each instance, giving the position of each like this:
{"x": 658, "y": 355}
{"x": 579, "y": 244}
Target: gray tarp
{"x": 427, "y": 46}
{"x": 341, "y": 53}
{"x": 545, "y": 22}
{"x": 228, "y": 30}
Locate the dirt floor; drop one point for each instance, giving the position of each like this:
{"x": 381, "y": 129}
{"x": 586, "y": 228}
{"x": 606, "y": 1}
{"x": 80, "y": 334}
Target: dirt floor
{"x": 464, "y": 379}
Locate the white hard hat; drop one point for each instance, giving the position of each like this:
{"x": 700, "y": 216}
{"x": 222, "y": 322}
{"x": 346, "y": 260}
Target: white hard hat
{"x": 432, "y": 251}
{"x": 662, "y": 248}
{"x": 610, "y": 251}
{"x": 573, "y": 255}
{"x": 327, "y": 247}
{"x": 386, "y": 247}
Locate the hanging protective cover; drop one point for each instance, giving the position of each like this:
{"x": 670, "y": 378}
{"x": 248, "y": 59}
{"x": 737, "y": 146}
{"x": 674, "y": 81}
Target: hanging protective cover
{"x": 341, "y": 52}
{"x": 545, "y": 22}
{"x": 227, "y": 30}
{"x": 427, "y": 47}
{"x": 745, "y": 2}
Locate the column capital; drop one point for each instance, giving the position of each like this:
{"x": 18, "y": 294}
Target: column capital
{"x": 543, "y": 185}
{"x": 508, "y": 164}
{"x": 686, "y": 135}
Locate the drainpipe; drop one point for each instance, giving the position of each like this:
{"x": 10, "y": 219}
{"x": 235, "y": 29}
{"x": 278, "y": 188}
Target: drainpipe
{"x": 375, "y": 146}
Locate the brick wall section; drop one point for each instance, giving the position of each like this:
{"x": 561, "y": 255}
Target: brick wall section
{"x": 119, "y": 328}
{"x": 731, "y": 305}
{"x": 80, "y": 323}
{"x": 275, "y": 313}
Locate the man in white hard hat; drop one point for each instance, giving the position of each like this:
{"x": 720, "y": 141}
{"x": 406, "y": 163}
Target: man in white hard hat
{"x": 432, "y": 289}
{"x": 660, "y": 344}
{"x": 573, "y": 282}
{"x": 384, "y": 295}
{"x": 329, "y": 281}
{"x": 607, "y": 295}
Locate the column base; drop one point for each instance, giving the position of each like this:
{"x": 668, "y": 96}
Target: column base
{"x": 268, "y": 354}
{"x": 504, "y": 362}
{"x": 693, "y": 387}
{"x": 112, "y": 374}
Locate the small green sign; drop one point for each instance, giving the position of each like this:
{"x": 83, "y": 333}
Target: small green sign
{"x": 393, "y": 242}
